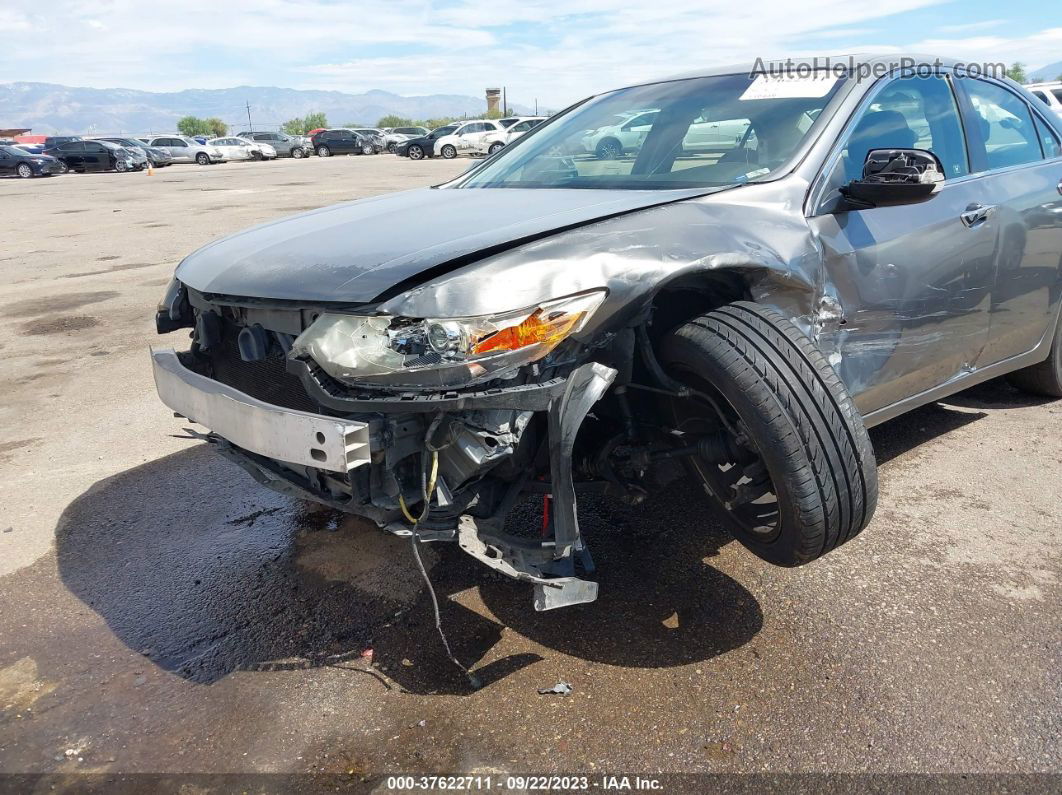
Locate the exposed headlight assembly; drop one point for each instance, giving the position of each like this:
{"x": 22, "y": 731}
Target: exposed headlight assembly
{"x": 441, "y": 352}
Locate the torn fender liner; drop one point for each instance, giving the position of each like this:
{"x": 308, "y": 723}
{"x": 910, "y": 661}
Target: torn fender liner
{"x": 522, "y": 562}
{"x": 551, "y": 567}
{"x": 357, "y": 256}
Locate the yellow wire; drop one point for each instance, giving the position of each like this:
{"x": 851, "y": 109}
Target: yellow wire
{"x": 427, "y": 494}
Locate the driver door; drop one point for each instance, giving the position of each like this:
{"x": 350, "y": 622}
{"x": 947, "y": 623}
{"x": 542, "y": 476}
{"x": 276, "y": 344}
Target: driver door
{"x": 913, "y": 281}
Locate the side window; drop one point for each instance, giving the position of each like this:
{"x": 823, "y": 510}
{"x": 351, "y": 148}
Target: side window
{"x": 909, "y": 113}
{"x": 1007, "y": 128}
{"x": 1040, "y": 95}
{"x": 178, "y": 142}
{"x": 1048, "y": 140}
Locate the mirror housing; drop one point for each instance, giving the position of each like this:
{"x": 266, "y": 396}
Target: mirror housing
{"x": 894, "y": 177}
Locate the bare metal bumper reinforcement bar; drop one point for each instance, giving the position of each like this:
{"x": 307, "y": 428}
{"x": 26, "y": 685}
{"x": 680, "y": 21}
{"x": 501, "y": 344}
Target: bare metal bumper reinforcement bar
{"x": 298, "y": 437}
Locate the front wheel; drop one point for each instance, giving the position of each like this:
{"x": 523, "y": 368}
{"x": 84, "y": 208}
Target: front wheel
{"x": 415, "y": 152}
{"x": 121, "y": 166}
{"x": 609, "y": 149}
{"x": 324, "y": 151}
{"x": 392, "y": 148}
{"x": 368, "y": 149}
{"x": 203, "y": 159}
{"x": 449, "y": 152}
{"x": 793, "y": 469}
{"x": 24, "y": 170}
{"x": 298, "y": 153}
{"x": 494, "y": 147}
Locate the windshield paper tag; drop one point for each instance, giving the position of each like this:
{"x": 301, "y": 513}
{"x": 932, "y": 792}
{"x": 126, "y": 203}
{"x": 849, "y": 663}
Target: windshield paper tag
{"x": 790, "y": 86}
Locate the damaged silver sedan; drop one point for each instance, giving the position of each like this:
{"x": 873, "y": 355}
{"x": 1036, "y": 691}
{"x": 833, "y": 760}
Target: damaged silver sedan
{"x": 554, "y": 323}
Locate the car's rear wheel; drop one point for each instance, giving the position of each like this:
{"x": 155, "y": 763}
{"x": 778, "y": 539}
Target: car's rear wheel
{"x": 298, "y": 152}
{"x": 494, "y": 147}
{"x": 449, "y": 151}
{"x": 609, "y": 149}
{"x": 792, "y": 469}
{"x": 24, "y": 170}
{"x": 203, "y": 159}
{"x": 324, "y": 151}
{"x": 415, "y": 152}
{"x": 1044, "y": 378}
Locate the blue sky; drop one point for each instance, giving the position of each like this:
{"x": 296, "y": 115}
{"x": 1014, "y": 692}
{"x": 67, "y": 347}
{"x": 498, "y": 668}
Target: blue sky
{"x": 554, "y": 50}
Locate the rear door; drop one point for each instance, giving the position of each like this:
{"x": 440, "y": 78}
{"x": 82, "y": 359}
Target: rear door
{"x": 1016, "y": 154}
{"x": 913, "y": 282}
{"x": 97, "y": 156}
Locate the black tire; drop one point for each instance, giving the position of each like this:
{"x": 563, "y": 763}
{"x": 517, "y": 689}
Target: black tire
{"x": 392, "y": 148}
{"x": 121, "y": 166}
{"x": 25, "y": 170}
{"x": 1044, "y": 378}
{"x": 609, "y": 149}
{"x": 368, "y": 149}
{"x": 324, "y": 151}
{"x": 415, "y": 152}
{"x": 494, "y": 147}
{"x": 298, "y": 152}
{"x": 203, "y": 159}
{"x": 449, "y": 152}
{"x": 800, "y": 427}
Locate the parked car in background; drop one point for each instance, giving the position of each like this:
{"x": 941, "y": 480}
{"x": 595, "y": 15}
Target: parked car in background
{"x": 33, "y": 149}
{"x": 53, "y": 141}
{"x": 285, "y": 145}
{"x": 157, "y": 157}
{"x": 466, "y": 139}
{"x": 87, "y": 156}
{"x": 493, "y": 141}
{"x": 393, "y": 136}
{"x": 559, "y": 324}
{"x": 509, "y": 121}
{"x": 1048, "y": 93}
{"x": 235, "y": 148}
{"x": 342, "y": 142}
{"x": 187, "y": 150}
{"x": 374, "y": 134}
{"x": 420, "y": 148}
{"x": 20, "y": 163}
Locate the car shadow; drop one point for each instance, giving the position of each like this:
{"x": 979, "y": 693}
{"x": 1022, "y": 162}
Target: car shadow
{"x": 205, "y": 573}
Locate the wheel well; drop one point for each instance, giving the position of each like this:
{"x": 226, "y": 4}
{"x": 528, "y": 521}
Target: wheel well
{"x": 692, "y": 296}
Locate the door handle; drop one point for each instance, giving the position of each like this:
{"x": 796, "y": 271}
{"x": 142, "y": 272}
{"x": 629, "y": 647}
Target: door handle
{"x": 976, "y": 214}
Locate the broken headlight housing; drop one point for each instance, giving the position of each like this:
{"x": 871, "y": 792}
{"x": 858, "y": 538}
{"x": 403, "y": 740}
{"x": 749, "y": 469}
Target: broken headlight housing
{"x": 441, "y": 352}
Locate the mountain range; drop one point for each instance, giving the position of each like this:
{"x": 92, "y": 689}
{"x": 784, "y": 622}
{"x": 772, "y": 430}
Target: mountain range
{"x": 1049, "y": 72}
{"x": 53, "y": 109}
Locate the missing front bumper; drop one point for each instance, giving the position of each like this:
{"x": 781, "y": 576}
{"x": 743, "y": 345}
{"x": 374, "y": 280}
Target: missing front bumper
{"x": 295, "y": 437}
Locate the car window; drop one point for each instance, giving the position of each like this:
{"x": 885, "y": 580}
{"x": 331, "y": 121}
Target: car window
{"x": 73, "y": 146}
{"x": 1006, "y": 125}
{"x": 95, "y": 147}
{"x": 587, "y": 147}
{"x": 522, "y": 126}
{"x": 1040, "y": 95}
{"x": 178, "y": 142}
{"x": 909, "y": 113}
{"x": 1048, "y": 140}
{"x": 1058, "y": 93}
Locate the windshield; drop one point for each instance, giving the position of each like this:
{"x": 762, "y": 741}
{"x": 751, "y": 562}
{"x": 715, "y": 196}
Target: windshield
{"x": 706, "y": 131}
{"x": 12, "y": 150}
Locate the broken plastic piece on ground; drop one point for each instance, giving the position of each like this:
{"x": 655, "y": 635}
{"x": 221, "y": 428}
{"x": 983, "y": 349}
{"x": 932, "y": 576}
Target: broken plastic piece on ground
{"x": 559, "y": 689}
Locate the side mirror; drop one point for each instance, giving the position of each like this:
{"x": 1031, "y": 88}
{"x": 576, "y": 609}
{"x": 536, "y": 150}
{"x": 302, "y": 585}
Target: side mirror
{"x": 893, "y": 177}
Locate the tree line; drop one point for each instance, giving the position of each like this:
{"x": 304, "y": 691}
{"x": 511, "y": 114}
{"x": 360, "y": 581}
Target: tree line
{"x": 313, "y": 121}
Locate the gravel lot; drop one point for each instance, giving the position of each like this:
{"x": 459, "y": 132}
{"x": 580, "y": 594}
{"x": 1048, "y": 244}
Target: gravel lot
{"x": 160, "y": 612}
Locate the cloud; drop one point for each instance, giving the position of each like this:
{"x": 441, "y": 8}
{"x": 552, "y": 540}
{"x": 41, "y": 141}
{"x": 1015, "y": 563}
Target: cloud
{"x": 555, "y": 50}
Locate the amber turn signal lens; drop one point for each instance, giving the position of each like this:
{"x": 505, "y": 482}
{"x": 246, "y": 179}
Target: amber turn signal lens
{"x": 537, "y": 329}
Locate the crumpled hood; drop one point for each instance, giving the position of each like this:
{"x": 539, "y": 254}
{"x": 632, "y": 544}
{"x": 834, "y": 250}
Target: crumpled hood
{"x": 357, "y": 251}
